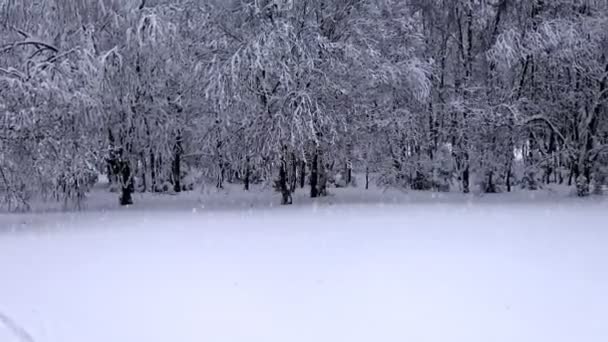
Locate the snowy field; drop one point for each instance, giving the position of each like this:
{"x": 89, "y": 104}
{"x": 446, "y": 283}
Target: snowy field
{"x": 389, "y": 268}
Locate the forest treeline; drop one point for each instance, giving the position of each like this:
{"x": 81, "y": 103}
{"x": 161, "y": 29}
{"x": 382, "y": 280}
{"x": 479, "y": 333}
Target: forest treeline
{"x": 162, "y": 95}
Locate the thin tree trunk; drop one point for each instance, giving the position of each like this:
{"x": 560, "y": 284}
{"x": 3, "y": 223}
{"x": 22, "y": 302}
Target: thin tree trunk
{"x": 573, "y": 173}
{"x": 349, "y": 176}
{"x": 220, "y": 177}
{"x": 465, "y": 176}
{"x": 153, "y": 182}
{"x": 491, "y": 188}
{"x": 322, "y": 178}
{"x": 160, "y": 176}
{"x": 247, "y": 172}
{"x": 283, "y": 183}
{"x": 293, "y": 181}
{"x": 347, "y": 173}
{"x": 113, "y": 166}
{"x": 314, "y": 175}
{"x": 177, "y": 160}
{"x": 127, "y": 186}
{"x": 144, "y": 173}
{"x": 509, "y": 178}
{"x": 302, "y": 174}
{"x": 550, "y": 168}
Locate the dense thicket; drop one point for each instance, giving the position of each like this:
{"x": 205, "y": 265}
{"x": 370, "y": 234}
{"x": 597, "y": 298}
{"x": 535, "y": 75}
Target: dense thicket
{"x": 461, "y": 95}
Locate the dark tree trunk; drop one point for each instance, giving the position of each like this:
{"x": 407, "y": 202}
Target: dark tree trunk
{"x": 247, "y": 172}
{"x": 122, "y": 171}
{"x": 302, "y": 174}
{"x": 283, "y": 183}
{"x": 113, "y": 170}
{"x": 177, "y": 184}
{"x": 366, "y": 178}
{"x": 110, "y": 171}
{"x": 322, "y": 179}
{"x": 113, "y": 165}
{"x": 126, "y": 181}
{"x": 587, "y": 172}
{"x": 465, "y": 177}
{"x": 509, "y": 178}
{"x": 177, "y": 161}
{"x": 490, "y": 187}
{"x": 144, "y": 167}
{"x": 466, "y": 49}
{"x": 153, "y": 181}
{"x": 159, "y": 175}
{"x": 556, "y": 173}
{"x": 220, "y": 175}
{"x": 314, "y": 175}
{"x": 231, "y": 175}
{"x": 349, "y": 174}
{"x": 293, "y": 181}
{"x": 552, "y": 164}
{"x": 573, "y": 173}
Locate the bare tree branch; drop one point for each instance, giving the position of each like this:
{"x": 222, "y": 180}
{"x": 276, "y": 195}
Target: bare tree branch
{"x": 36, "y": 43}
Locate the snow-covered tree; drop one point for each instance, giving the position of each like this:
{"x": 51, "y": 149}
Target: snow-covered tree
{"x": 461, "y": 95}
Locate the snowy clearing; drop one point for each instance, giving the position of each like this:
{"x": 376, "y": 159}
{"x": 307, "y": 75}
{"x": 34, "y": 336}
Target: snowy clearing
{"x": 443, "y": 270}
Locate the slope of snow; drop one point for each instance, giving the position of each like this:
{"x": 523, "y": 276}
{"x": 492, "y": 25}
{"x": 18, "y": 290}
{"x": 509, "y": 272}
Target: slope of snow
{"x": 456, "y": 269}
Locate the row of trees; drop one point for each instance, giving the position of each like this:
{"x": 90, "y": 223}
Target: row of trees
{"x": 427, "y": 94}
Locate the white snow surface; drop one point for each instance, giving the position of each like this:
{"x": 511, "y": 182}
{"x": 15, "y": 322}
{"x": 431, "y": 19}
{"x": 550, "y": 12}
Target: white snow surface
{"x": 394, "y": 268}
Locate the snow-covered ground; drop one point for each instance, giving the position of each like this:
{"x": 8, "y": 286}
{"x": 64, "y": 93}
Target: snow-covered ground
{"x": 381, "y": 267}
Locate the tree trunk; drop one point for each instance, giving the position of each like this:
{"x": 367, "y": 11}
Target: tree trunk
{"x": 490, "y": 187}
{"x": 220, "y": 177}
{"x": 302, "y": 174}
{"x": 347, "y": 173}
{"x": 144, "y": 167}
{"x": 127, "y": 186}
{"x": 153, "y": 181}
{"x": 113, "y": 167}
{"x": 247, "y": 172}
{"x": 573, "y": 173}
{"x": 322, "y": 178}
{"x": 177, "y": 160}
{"x": 465, "y": 176}
{"x": 509, "y": 178}
{"x": 367, "y": 178}
{"x": 220, "y": 164}
{"x": 551, "y": 165}
{"x": 314, "y": 175}
{"x": 283, "y": 183}
{"x": 293, "y": 181}
{"x": 160, "y": 176}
